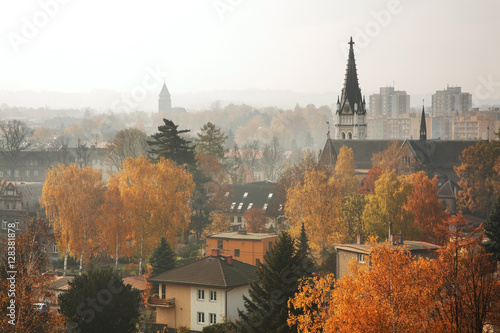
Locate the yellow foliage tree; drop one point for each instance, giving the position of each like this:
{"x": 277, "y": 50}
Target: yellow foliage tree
{"x": 157, "y": 199}
{"x": 316, "y": 203}
{"x": 72, "y": 199}
{"x": 344, "y": 175}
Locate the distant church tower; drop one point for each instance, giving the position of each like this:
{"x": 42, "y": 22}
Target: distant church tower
{"x": 423, "y": 127}
{"x": 350, "y": 117}
{"x": 164, "y": 101}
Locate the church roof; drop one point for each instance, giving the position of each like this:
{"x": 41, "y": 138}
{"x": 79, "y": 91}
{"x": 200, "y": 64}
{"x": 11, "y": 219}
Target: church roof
{"x": 351, "y": 93}
{"x": 164, "y": 91}
{"x": 328, "y": 154}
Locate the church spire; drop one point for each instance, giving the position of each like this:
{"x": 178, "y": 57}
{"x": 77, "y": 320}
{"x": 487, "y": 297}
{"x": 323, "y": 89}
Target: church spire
{"x": 164, "y": 101}
{"x": 351, "y": 93}
{"x": 423, "y": 127}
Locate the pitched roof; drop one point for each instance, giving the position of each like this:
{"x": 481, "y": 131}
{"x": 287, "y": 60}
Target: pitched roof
{"x": 363, "y": 150}
{"x": 212, "y": 271}
{"x": 61, "y": 282}
{"x": 138, "y": 282}
{"x": 413, "y": 246}
{"x": 258, "y": 194}
{"x": 328, "y": 155}
{"x": 164, "y": 91}
{"x": 244, "y": 236}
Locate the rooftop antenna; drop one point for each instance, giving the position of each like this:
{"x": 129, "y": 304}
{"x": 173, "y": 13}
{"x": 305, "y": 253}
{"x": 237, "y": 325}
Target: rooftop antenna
{"x": 328, "y": 133}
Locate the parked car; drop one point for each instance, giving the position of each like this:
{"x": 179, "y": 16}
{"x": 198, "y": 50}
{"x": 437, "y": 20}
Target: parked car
{"x": 40, "y": 307}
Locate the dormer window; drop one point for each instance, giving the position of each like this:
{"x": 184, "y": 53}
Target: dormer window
{"x": 250, "y": 205}
{"x": 270, "y": 195}
{"x": 245, "y": 195}
{"x": 265, "y": 207}
{"x": 233, "y": 205}
{"x": 240, "y": 206}
{"x": 227, "y": 194}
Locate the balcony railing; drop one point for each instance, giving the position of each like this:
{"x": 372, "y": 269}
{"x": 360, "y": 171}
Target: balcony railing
{"x": 162, "y": 302}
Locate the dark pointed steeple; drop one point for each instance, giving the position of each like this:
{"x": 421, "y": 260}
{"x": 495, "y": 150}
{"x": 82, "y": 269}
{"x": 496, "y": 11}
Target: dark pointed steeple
{"x": 164, "y": 101}
{"x": 423, "y": 127}
{"x": 164, "y": 91}
{"x": 351, "y": 101}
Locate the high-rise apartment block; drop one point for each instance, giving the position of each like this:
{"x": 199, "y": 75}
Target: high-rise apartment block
{"x": 451, "y": 100}
{"x": 389, "y": 103}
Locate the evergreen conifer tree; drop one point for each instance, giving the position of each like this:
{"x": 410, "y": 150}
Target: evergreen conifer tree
{"x": 163, "y": 258}
{"x": 492, "y": 228}
{"x": 278, "y": 280}
{"x": 304, "y": 252}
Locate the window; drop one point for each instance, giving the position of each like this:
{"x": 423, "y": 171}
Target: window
{"x": 35, "y": 173}
{"x": 232, "y": 205}
{"x": 245, "y": 195}
{"x": 250, "y": 205}
{"x": 16, "y": 173}
{"x": 213, "y": 318}
{"x": 227, "y": 194}
{"x": 361, "y": 257}
{"x": 201, "y": 294}
{"x": 240, "y": 219}
{"x": 54, "y": 248}
{"x": 236, "y": 252}
{"x": 201, "y": 318}
{"x": 213, "y": 295}
{"x": 17, "y": 224}
{"x": 1, "y": 174}
{"x": 4, "y": 224}
{"x": 240, "y": 205}
{"x": 27, "y": 173}
{"x": 265, "y": 207}
{"x": 220, "y": 244}
{"x": 270, "y": 196}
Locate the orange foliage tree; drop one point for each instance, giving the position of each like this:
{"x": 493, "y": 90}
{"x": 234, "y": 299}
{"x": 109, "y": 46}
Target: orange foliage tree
{"x": 255, "y": 219}
{"x": 72, "y": 199}
{"x": 479, "y": 174}
{"x": 157, "y": 199}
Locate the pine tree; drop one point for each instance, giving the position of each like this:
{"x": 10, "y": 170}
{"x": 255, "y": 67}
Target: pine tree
{"x": 492, "y": 228}
{"x": 304, "y": 252}
{"x": 168, "y": 143}
{"x": 278, "y": 280}
{"x": 211, "y": 141}
{"x": 163, "y": 258}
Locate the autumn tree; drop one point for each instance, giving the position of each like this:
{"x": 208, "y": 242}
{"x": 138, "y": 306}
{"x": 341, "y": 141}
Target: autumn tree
{"x": 72, "y": 199}
{"x": 388, "y": 294}
{"x": 344, "y": 174}
{"x": 115, "y": 226}
{"x": 479, "y": 178}
{"x": 98, "y": 301}
{"x": 368, "y": 182}
{"x": 250, "y": 155}
{"x": 236, "y": 168}
{"x": 19, "y": 277}
{"x": 219, "y": 222}
{"x": 391, "y": 158}
{"x": 126, "y": 143}
{"x": 157, "y": 197}
{"x": 15, "y": 137}
{"x": 163, "y": 257}
{"x": 278, "y": 277}
{"x": 255, "y": 220}
{"x": 273, "y": 158}
{"x": 492, "y": 230}
{"x": 384, "y": 206}
{"x": 468, "y": 293}
{"x": 211, "y": 141}
{"x": 351, "y": 216}
{"x": 316, "y": 203}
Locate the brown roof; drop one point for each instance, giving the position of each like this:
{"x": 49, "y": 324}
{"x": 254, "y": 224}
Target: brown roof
{"x": 412, "y": 246}
{"x": 61, "y": 282}
{"x": 212, "y": 271}
{"x": 239, "y": 236}
{"x": 138, "y": 282}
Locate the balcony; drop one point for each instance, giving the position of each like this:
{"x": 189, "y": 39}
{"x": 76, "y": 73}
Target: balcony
{"x": 162, "y": 302}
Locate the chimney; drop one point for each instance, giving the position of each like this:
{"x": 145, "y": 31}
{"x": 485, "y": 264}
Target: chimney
{"x": 359, "y": 239}
{"x": 215, "y": 252}
{"x": 229, "y": 259}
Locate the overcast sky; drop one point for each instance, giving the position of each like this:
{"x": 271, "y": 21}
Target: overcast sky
{"x": 199, "y": 45}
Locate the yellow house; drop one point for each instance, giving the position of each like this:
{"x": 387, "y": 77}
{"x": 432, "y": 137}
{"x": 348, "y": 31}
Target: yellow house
{"x": 247, "y": 247}
{"x": 205, "y": 292}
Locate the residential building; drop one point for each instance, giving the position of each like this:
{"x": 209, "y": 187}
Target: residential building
{"x": 350, "y": 116}
{"x": 476, "y": 127}
{"x": 205, "y": 292}
{"x": 249, "y": 248}
{"x": 257, "y": 195}
{"x": 451, "y": 100}
{"x": 389, "y": 103}
{"x": 361, "y": 253}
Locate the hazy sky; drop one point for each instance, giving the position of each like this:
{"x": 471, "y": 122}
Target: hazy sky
{"x": 420, "y": 45}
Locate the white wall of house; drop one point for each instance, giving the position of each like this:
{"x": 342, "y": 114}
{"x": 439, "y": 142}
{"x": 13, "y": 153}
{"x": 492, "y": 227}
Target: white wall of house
{"x": 207, "y": 306}
{"x": 235, "y": 301}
